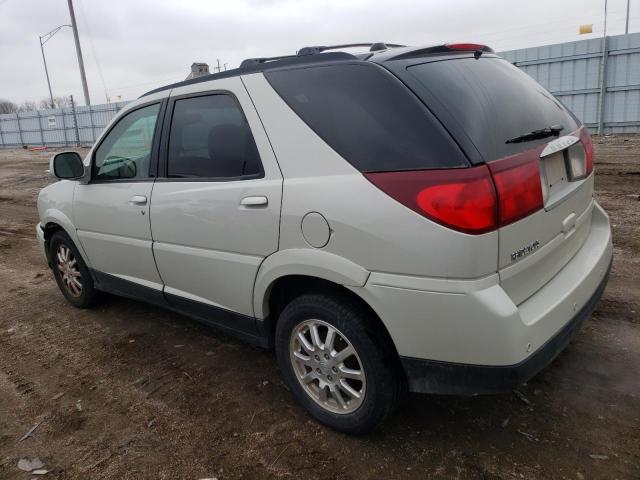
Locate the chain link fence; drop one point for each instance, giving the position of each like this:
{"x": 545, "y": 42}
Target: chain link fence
{"x": 59, "y": 127}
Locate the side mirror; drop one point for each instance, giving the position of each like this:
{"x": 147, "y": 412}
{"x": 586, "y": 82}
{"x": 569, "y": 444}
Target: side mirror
{"x": 66, "y": 166}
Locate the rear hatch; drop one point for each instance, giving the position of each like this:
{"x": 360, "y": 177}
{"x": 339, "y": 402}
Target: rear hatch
{"x": 538, "y": 153}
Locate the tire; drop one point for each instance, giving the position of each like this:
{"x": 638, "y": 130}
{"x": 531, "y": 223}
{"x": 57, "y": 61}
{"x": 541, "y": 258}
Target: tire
{"x": 378, "y": 384}
{"x": 69, "y": 269}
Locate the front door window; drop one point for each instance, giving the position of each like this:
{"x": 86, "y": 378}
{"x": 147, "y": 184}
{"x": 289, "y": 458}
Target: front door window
{"x": 125, "y": 153}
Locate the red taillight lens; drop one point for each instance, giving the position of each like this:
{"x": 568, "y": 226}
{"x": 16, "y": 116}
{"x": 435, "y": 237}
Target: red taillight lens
{"x": 585, "y": 138}
{"x": 463, "y": 199}
{"x": 473, "y": 200}
{"x": 518, "y": 185}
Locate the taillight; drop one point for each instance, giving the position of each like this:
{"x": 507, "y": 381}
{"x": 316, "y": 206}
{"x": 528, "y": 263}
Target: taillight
{"x": 576, "y": 158}
{"x": 517, "y": 180}
{"x": 471, "y": 200}
{"x": 579, "y": 156}
{"x": 463, "y": 199}
{"x": 585, "y": 139}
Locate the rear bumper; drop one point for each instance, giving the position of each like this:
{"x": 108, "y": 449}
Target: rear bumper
{"x": 429, "y": 376}
{"x": 469, "y": 336}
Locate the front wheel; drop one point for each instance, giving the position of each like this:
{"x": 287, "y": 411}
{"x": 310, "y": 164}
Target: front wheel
{"x": 71, "y": 273}
{"x": 335, "y": 364}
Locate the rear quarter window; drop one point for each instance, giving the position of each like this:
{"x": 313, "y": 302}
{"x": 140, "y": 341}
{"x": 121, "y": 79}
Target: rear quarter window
{"x": 368, "y": 117}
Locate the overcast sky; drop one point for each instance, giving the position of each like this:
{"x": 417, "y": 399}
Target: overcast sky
{"x": 131, "y": 46}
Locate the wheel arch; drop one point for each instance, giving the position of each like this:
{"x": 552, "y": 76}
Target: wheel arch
{"x": 286, "y": 288}
{"x": 54, "y": 221}
{"x": 310, "y": 263}
{"x": 291, "y": 273}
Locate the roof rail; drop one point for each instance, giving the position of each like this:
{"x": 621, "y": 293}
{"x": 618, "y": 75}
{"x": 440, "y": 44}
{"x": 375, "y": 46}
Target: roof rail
{"x": 374, "y": 47}
{"x": 256, "y": 61}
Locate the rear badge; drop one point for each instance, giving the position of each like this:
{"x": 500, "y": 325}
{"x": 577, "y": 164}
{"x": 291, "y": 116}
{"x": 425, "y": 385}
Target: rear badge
{"x": 524, "y": 251}
{"x": 559, "y": 144}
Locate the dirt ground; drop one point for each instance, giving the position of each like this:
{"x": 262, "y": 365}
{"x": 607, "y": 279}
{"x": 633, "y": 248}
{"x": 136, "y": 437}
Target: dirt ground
{"x": 128, "y": 390}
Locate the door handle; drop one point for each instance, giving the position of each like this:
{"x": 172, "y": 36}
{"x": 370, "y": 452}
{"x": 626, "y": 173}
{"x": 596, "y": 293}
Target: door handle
{"x": 138, "y": 200}
{"x": 254, "y": 201}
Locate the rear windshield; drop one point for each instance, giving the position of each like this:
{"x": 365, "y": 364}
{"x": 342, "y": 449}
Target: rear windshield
{"x": 493, "y": 101}
{"x": 369, "y": 117}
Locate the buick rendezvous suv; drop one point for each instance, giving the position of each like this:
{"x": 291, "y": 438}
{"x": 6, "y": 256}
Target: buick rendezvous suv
{"x": 409, "y": 218}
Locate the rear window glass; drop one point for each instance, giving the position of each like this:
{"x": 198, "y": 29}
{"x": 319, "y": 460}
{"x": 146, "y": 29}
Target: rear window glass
{"x": 493, "y": 101}
{"x": 366, "y": 115}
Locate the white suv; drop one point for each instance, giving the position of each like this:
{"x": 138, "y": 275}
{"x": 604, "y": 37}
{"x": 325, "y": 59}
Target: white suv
{"x": 417, "y": 218}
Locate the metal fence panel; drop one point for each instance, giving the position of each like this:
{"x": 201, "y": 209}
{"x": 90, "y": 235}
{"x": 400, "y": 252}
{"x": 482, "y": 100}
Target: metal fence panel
{"x": 57, "y": 127}
{"x": 571, "y": 71}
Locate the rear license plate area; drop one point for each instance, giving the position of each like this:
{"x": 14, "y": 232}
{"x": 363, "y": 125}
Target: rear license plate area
{"x": 555, "y": 173}
{"x": 556, "y": 184}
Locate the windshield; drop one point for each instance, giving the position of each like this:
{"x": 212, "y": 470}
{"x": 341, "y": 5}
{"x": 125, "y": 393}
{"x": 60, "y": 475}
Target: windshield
{"x": 493, "y": 101}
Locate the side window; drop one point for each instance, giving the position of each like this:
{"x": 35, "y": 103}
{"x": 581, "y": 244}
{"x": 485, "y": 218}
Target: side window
{"x": 210, "y": 138}
{"x": 125, "y": 153}
{"x": 366, "y": 115}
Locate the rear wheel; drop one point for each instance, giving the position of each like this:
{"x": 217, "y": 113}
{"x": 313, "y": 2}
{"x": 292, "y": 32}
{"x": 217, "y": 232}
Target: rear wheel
{"x": 334, "y": 363}
{"x": 70, "y": 271}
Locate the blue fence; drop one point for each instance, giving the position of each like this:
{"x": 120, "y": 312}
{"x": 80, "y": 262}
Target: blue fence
{"x": 56, "y": 127}
{"x": 571, "y": 71}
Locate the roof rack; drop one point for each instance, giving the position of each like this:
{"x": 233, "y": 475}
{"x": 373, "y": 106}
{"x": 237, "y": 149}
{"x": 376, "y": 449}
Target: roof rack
{"x": 374, "y": 47}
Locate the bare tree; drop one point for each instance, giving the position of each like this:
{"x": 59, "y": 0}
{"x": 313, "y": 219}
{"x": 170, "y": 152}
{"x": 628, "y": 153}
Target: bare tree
{"x": 62, "y": 102}
{"x": 45, "y": 104}
{"x": 7, "y": 106}
{"x": 58, "y": 102}
{"x": 28, "y": 106}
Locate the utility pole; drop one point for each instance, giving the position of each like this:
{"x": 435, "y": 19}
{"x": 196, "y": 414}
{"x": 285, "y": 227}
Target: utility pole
{"x": 218, "y": 60}
{"x": 46, "y": 71}
{"x": 44, "y": 39}
{"x": 75, "y": 121}
{"x": 626, "y": 27}
{"x": 83, "y": 77}
{"x": 603, "y": 73}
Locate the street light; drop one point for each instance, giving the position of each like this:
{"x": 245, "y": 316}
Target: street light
{"x": 47, "y": 36}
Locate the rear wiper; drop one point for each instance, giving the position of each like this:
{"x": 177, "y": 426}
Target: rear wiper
{"x": 552, "y": 131}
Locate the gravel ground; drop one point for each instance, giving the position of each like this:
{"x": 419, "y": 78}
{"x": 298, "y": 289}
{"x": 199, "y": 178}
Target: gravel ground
{"x": 128, "y": 390}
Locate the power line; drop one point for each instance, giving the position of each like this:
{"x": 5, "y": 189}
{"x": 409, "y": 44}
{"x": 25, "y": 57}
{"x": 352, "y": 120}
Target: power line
{"x": 553, "y": 35}
{"x": 93, "y": 50}
{"x": 548, "y": 30}
{"x": 151, "y": 82}
{"x": 548, "y": 36}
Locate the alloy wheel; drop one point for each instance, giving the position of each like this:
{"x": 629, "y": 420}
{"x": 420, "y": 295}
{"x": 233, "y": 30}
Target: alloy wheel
{"x": 327, "y": 366}
{"x": 70, "y": 274}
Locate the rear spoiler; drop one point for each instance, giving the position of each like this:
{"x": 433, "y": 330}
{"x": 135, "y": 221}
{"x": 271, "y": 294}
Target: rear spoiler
{"x": 477, "y": 49}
